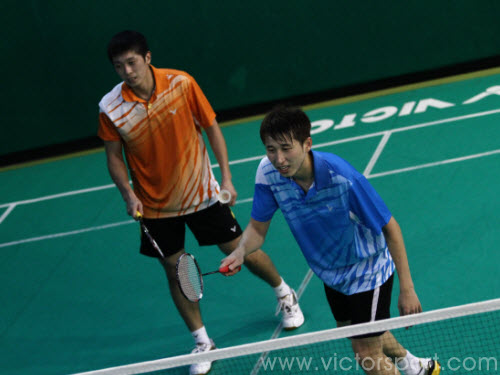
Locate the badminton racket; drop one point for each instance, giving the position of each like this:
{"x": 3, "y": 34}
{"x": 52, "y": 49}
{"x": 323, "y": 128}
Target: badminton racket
{"x": 190, "y": 278}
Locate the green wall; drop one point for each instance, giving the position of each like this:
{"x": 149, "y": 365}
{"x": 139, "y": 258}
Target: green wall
{"x": 54, "y": 67}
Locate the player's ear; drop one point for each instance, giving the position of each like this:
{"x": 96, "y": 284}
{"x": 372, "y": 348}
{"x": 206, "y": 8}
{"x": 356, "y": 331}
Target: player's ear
{"x": 308, "y": 144}
{"x": 147, "y": 58}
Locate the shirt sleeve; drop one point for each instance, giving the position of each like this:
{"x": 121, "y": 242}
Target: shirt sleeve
{"x": 199, "y": 105}
{"x": 107, "y": 130}
{"x": 264, "y": 204}
{"x": 367, "y": 205}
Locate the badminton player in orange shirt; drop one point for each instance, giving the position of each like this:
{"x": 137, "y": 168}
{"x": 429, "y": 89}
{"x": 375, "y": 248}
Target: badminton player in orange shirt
{"x": 155, "y": 117}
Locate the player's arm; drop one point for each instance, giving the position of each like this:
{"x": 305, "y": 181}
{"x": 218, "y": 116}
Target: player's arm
{"x": 119, "y": 174}
{"x": 408, "y": 300}
{"x": 251, "y": 240}
{"x": 219, "y": 148}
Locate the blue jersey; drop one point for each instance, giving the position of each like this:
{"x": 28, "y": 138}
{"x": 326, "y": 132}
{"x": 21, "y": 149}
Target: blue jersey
{"x": 337, "y": 224}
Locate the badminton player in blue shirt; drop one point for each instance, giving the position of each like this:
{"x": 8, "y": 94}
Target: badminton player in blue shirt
{"x": 345, "y": 231}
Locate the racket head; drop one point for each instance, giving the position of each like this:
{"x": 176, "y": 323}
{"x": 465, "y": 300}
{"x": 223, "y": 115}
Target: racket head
{"x": 189, "y": 277}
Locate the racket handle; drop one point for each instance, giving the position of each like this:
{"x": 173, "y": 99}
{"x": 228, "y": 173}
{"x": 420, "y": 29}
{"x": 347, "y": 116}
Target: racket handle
{"x": 225, "y": 269}
{"x": 138, "y": 215}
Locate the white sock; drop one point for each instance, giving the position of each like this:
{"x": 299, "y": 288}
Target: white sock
{"x": 200, "y": 336}
{"x": 282, "y": 290}
{"x": 409, "y": 365}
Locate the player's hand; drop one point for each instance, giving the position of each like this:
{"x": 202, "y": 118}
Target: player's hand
{"x": 408, "y": 302}
{"x": 234, "y": 262}
{"x": 134, "y": 205}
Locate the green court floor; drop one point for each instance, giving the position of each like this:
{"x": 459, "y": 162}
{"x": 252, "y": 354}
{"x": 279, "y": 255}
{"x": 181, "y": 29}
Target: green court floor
{"x": 77, "y": 296}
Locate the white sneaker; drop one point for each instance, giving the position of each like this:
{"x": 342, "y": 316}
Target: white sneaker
{"x": 424, "y": 366}
{"x": 292, "y": 314}
{"x": 201, "y": 368}
{"x": 429, "y": 367}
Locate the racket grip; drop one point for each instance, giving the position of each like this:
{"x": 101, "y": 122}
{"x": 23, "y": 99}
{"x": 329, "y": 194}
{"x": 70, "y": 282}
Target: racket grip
{"x": 225, "y": 269}
{"x": 138, "y": 215}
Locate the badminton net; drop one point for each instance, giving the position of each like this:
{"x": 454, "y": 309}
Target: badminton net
{"x": 463, "y": 339}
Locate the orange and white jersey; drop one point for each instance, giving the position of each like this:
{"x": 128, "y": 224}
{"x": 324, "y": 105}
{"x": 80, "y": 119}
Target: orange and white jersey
{"x": 163, "y": 143}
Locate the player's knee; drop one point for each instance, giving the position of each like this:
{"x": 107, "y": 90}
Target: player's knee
{"x": 169, "y": 265}
{"x": 256, "y": 261}
{"x": 256, "y": 257}
{"x": 228, "y": 247}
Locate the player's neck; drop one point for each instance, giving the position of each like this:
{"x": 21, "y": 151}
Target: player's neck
{"x": 146, "y": 90}
{"x": 305, "y": 175}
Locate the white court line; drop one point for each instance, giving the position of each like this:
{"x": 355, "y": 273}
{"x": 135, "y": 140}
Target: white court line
{"x": 247, "y": 200}
{"x": 9, "y": 209}
{"x": 377, "y": 153}
{"x": 79, "y": 231}
{"x": 246, "y": 160}
{"x": 65, "y": 234}
{"x": 60, "y": 195}
{"x": 435, "y": 164}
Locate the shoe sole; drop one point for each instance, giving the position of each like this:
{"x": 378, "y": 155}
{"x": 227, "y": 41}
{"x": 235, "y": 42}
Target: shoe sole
{"x": 294, "y": 327}
{"x": 204, "y": 373}
{"x": 211, "y": 365}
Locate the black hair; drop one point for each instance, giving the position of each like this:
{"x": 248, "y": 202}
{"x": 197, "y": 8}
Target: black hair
{"x": 286, "y": 123}
{"x": 125, "y": 41}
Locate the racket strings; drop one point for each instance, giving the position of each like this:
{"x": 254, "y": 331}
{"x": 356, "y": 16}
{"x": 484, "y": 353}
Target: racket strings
{"x": 188, "y": 275}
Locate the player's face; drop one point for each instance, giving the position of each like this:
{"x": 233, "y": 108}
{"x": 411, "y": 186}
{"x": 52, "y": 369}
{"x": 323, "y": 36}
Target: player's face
{"x": 133, "y": 68}
{"x": 289, "y": 156}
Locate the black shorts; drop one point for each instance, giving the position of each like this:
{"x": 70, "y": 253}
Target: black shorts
{"x": 211, "y": 226}
{"x": 362, "y": 307}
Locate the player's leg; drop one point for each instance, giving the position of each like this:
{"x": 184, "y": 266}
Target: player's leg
{"x": 217, "y": 225}
{"x": 259, "y": 263}
{"x": 392, "y": 348}
{"x": 380, "y": 352}
{"x": 385, "y": 351}
{"x": 371, "y": 349}
{"x": 169, "y": 234}
{"x": 357, "y": 308}
{"x": 189, "y": 311}
{"x": 369, "y": 352}
{"x": 406, "y": 362}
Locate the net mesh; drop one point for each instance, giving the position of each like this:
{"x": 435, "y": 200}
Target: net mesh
{"x": 463, "y": 339}
{"x": 188, "y": 275}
